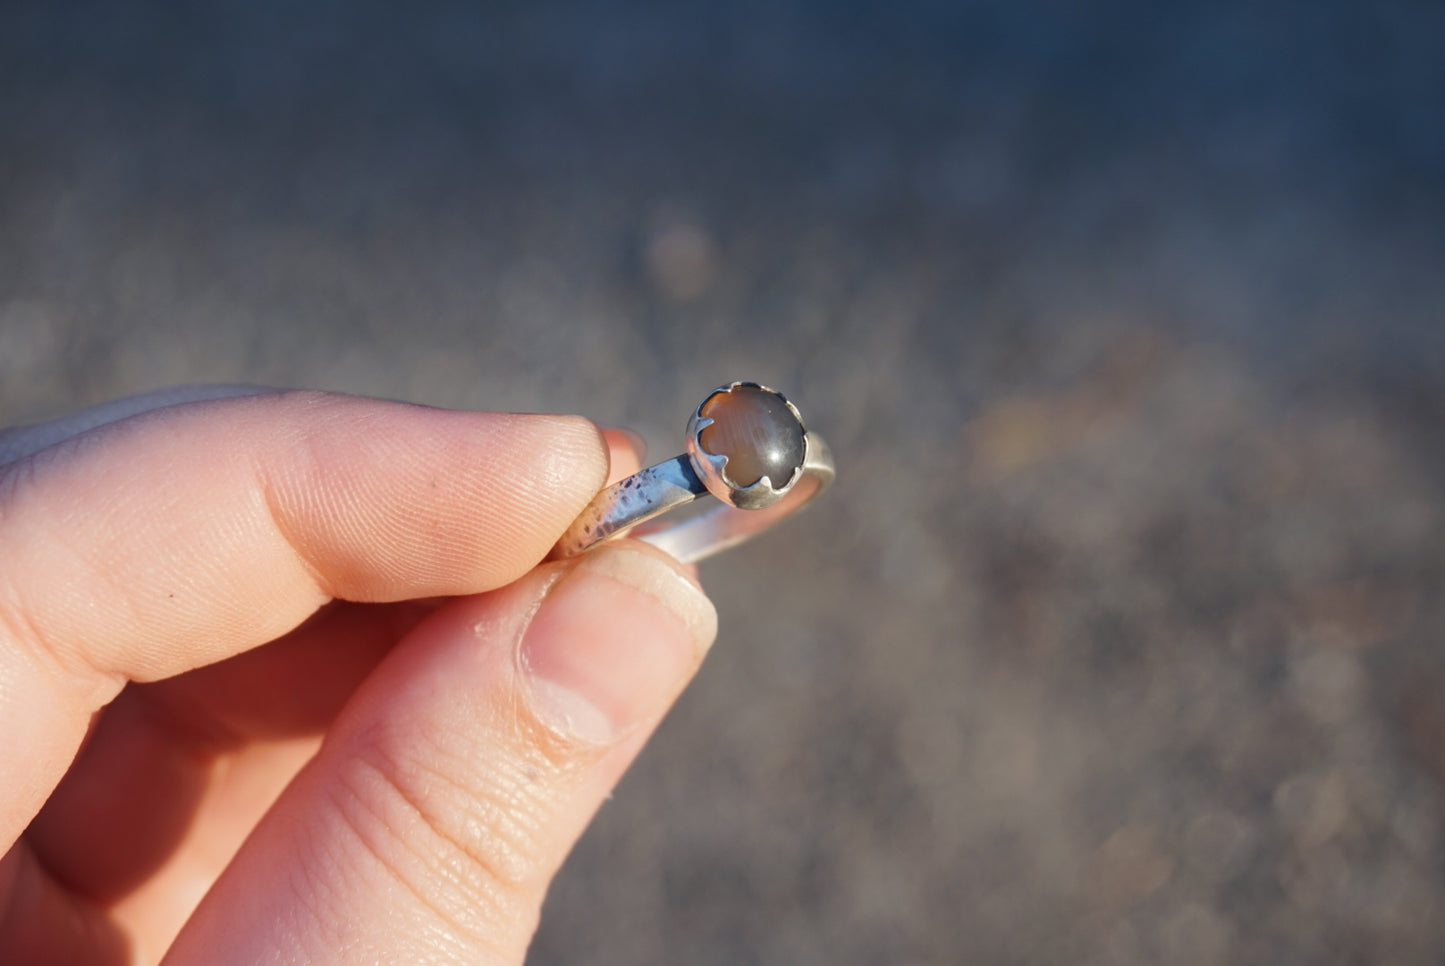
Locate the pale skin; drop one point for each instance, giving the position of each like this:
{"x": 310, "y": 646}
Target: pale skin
{"x": 283, "y": 678}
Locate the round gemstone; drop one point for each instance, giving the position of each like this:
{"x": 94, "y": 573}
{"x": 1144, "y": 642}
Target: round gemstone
{"x": 757, "y": 432}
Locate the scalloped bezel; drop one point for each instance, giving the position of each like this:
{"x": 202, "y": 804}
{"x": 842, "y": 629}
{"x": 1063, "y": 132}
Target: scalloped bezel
{"x": 712, "y": 468}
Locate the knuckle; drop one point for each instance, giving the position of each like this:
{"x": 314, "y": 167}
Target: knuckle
{"x": 468, "y": 851}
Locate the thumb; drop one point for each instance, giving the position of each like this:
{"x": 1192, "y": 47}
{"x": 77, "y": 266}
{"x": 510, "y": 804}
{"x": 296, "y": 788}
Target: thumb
{"x": 453, "y": 785}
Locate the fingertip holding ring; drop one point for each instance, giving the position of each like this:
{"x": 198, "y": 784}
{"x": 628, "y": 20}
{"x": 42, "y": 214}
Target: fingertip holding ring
{"x": 746, "y": 446}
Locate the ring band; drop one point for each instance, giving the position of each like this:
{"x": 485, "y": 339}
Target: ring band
{"x": 739, "y": 438}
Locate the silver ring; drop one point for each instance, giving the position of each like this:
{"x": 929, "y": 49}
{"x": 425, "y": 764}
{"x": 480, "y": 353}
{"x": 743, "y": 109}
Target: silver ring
{"x": 740, "y": 438}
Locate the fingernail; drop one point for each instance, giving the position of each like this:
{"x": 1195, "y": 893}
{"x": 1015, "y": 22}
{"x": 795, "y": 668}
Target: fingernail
{"x": 634, "y": 440}
{"x": 613, "y": 642}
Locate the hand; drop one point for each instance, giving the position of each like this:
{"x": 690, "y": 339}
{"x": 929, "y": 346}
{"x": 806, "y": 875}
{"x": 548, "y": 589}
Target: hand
{"x": 294, "y": 653}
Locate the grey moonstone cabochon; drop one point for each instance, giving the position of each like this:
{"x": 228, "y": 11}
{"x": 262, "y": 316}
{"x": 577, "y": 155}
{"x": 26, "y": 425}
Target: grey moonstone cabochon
{"x": 757, "y": 432}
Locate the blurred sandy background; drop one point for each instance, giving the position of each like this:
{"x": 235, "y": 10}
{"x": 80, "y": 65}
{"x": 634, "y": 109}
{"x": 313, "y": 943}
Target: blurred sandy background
{"x": 1119, "y": 640}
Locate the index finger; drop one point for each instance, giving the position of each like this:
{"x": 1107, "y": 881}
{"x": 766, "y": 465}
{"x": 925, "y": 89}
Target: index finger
{"x": 188, "y": 534}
